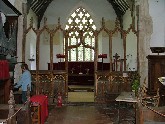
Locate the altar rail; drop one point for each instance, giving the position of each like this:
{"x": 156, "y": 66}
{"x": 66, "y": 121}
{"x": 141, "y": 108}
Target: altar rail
{"x": 77, "y": 67}
{"x": 50, "y": 83}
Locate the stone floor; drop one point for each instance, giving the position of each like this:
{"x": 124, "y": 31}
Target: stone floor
{"x": 81, "y": 109}
{"x": 89, "y": 113}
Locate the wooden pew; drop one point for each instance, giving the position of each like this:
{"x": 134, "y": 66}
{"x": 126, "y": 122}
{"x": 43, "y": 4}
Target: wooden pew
{"x": 148, "y": 109}
{"x": 146, "y": 114}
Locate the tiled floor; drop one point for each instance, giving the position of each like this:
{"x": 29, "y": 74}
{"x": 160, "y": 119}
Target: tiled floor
{"x": 85, "y": 113}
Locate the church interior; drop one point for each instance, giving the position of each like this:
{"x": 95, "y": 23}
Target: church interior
{"x": 91, "y": 61}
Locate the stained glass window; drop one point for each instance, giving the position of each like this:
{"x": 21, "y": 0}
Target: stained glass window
{"x": 82, "y": 21}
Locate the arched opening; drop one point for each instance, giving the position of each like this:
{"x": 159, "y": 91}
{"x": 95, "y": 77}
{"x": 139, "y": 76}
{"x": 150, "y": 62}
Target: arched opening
{"x": 78, "y": 50}
{"x": 80, "y": 53}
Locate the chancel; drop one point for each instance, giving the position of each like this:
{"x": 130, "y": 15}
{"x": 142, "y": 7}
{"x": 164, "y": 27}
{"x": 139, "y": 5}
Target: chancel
{"x": 91, "y": 61}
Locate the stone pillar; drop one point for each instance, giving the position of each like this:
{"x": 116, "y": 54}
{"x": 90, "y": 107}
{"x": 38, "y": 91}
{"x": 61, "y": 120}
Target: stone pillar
{"x": 19, "y": 5}
{"x": 145, "y": 31}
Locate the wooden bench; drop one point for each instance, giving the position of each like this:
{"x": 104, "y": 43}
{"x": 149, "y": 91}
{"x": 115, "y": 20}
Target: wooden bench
{"x": 150, "y": 115}
{"x": 15, "y": 114}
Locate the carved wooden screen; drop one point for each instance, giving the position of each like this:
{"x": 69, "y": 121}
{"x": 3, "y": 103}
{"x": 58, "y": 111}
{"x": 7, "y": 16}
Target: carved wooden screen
{"x": 87, "y": 33}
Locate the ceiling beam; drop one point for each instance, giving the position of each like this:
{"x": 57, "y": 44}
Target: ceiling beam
{"x": 41, "y": 11}
{"x": 39, "y": 7}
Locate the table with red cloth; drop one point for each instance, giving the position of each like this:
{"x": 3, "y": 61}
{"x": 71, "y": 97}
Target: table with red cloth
{"x": 43, "y": 101}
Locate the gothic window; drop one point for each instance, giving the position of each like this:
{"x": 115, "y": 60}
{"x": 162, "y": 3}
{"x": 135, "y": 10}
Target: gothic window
{"x": 80, "y": 26}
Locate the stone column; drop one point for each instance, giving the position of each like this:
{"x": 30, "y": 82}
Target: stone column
{"x": 145, "y": 31}
{"x": 19, "y": 5}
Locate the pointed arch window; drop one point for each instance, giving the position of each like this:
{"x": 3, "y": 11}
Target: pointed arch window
{"x": 80, "y": 26}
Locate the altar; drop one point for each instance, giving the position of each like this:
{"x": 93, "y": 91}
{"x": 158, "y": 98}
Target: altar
{"x": 81, "y": 79}
{"x": 80, "y": 73}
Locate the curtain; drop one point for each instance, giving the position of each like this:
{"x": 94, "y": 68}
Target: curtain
{"x": 4, "y": 69}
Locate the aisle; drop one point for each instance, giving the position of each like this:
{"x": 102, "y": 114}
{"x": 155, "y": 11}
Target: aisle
{"x": 79, "y": 115}
{"x": 87, "y": 113}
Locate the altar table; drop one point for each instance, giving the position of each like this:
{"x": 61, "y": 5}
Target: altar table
{"x": 42, "y": 100}
{"x": 128, "y": 97}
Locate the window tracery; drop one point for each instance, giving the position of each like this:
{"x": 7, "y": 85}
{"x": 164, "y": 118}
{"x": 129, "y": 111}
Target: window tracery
{"x": 81, "y": 39}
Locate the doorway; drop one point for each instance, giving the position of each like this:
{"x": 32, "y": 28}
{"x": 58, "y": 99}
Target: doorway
{"x": 79, "y": 48}
{"x": 81, "y": 82}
